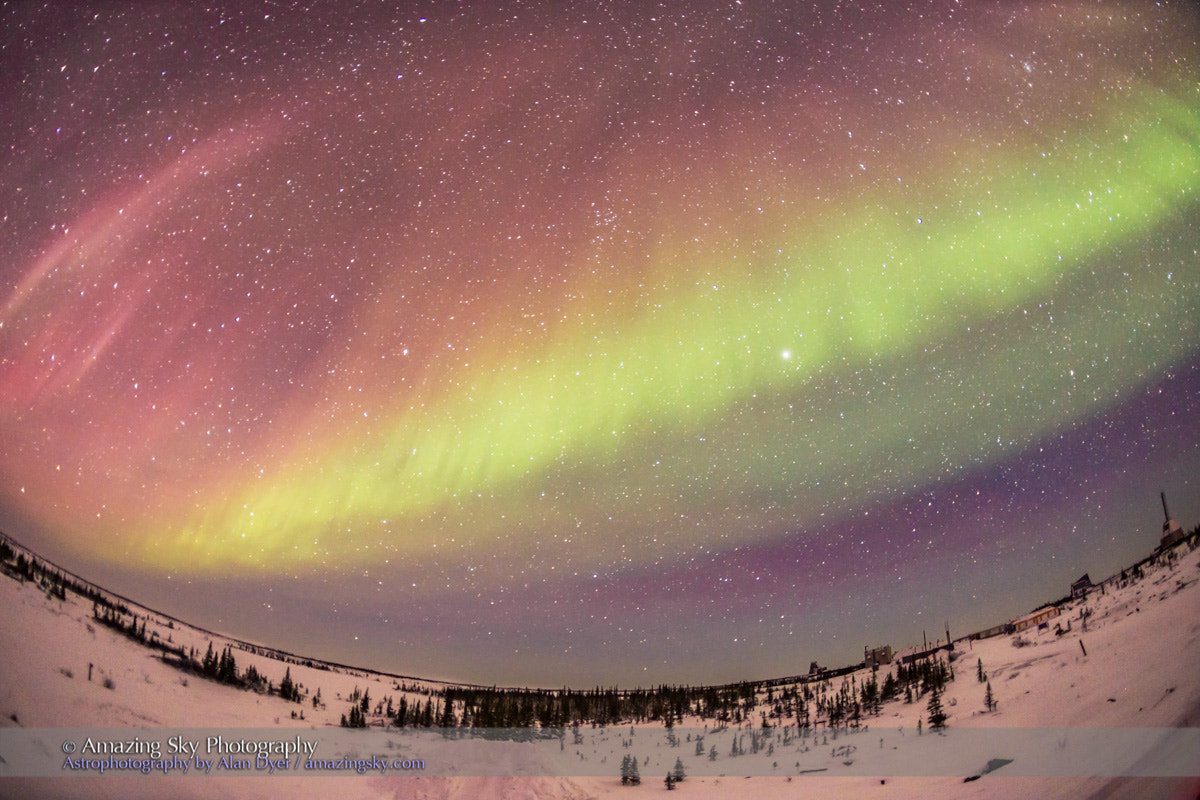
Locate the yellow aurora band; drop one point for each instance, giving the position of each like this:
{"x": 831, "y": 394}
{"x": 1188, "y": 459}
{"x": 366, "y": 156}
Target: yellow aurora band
{"x": 639, "y": 399}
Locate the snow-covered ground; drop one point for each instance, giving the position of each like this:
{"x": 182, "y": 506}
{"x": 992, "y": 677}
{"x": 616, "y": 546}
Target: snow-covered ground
{"x": 1075, "y": 713}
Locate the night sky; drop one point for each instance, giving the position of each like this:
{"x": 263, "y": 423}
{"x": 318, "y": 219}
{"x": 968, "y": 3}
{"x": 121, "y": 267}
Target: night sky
{"x": 611, "y": 344}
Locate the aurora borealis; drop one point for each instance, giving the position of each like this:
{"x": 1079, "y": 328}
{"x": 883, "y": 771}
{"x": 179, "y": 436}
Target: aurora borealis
{"x": 623, "y": 343}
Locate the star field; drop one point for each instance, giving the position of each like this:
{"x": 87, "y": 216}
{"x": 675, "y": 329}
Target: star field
{"x": 607, "y": 344}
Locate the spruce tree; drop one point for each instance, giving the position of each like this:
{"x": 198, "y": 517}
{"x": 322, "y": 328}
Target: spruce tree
{"x": 287, "y": 690}
{"x": 210, "y": 663}
{"x": 937, "y": 716}
{"x": 447, "y": 718}
{"x": 989, "y": 699}
{"x": 402, "y": 712}
{"x": 227, "y": 668}
{"x": 626, "y": 771}
{"x": 427, "y": 715}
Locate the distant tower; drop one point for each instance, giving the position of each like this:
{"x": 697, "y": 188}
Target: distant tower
{"x": 1172, "y": 533}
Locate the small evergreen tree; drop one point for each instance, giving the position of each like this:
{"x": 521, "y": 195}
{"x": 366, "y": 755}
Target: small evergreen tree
{"x": 447, "y": 718}
{"x": 427, "y": 715}
{"x": 402, "y": 713}
{"x": 356, "y": 720}
{"x": 209, "y": 667}
{"x": 253, "y": 678}
{"x": 891, "y": 687}
{"x": 677, "y": 772}
{"x": 937, "y": 716}
{"x": 227, "y": 668}
{"x": 989, "y": 699}
{"x": 979, "y": 670}
{"x": 287, "y": 689}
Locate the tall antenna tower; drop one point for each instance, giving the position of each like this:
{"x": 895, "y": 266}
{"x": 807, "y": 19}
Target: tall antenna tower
{"x": 1172, "y": 533}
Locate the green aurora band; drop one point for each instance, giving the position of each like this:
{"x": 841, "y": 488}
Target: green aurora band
{"x": 890, "y": 292}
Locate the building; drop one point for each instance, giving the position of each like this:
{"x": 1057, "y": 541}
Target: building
{"x": 1035, "y": 620}
{"x": 877, "y": 656}
{"x": 1081, "y": 587}
{"x": 995, "y": 630}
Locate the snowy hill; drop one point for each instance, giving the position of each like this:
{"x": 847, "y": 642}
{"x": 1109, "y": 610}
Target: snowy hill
{"x": 1098, "y": 710}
